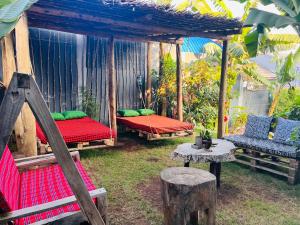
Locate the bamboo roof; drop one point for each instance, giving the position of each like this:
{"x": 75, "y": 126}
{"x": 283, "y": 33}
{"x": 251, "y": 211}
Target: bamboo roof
{"x": 128, "y": 19}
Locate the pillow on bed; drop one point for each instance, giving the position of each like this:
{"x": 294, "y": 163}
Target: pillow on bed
{"x": 57, "y": 116}
{"x": 128, "y": 112}
{"x": 74, "y": 115}
{"x": 145, "y": 112}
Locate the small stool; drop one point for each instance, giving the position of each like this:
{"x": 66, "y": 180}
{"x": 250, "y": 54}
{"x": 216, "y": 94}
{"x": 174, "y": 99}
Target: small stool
{"x": 186, "y": 192}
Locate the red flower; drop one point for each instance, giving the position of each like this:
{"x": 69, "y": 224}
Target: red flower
{"x": 226, "y": 118}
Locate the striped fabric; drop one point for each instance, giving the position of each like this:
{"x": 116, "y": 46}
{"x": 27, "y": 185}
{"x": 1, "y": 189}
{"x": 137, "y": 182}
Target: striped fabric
{"x": 45, "y": 185}
{"x": 9, "y": 182}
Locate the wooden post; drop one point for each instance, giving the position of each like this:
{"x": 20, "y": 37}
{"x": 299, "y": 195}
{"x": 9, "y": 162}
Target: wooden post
{"x": 160, "y": 73}
{"x": 8, "y": 59}
{"x": 112, "y": 85}
{"x": 222, "y": 94}
{"x": 25, "y": 126}
{"x": 149, "y": 77}
{"x": 179, "y": 83}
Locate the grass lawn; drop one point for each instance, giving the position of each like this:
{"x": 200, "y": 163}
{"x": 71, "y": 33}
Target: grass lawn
{"x": 131, "y": 176}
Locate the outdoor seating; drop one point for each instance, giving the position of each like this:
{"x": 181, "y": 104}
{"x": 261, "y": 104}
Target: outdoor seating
{"x": 185, "y": 193}
{"x": 268, "y": 154}
{"x": 35, "y": 190}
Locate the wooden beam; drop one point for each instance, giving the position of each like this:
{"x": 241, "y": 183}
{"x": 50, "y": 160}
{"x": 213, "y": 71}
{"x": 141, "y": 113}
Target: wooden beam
{"x": 112, "y": 85}
{"x": 154, "y": 29}
{"x": 25, "y": 126}
{"x": 149, "y": 75}
{"x": 222, "y": 94}
{"x": 179, "y": 83}
{"x": 8, "y": 59}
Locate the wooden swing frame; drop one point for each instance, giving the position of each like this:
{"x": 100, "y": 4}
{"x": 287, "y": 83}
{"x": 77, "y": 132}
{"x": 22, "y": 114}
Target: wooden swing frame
{"x": 24, "y": 89}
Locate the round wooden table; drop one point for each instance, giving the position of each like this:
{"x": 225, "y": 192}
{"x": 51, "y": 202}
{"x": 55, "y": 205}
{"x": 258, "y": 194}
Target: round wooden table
{"x": 220, "y": 151}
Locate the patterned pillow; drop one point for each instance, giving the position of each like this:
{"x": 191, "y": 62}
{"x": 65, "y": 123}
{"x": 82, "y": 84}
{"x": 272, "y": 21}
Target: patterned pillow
{"x": 285, "y": 130}
{"x": 258, "y": 126}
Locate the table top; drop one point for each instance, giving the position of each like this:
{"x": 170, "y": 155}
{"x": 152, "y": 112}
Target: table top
{"x": 221, "y": 151}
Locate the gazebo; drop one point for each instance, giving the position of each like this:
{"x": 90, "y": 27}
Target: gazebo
{"x": 118, "y": 19}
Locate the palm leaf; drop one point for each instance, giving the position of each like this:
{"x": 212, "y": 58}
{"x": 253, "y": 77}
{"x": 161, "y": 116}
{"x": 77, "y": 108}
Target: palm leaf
{"x": 257, "y": 16}
{"x": 5, "y": 2}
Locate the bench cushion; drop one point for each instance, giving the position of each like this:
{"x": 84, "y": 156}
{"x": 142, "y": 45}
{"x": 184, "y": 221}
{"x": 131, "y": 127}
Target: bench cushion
{"x": 267, "y": 146}
{"x": 44, "y": 185}
{"x": 9, "y": 182}
{"x": 258, "y": 126}
{"x": 284, "y": 130}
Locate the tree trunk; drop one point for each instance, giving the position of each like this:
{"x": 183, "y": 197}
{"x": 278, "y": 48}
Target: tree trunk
{"x": 25, "y": 126}
{"x": 275, "y": 101}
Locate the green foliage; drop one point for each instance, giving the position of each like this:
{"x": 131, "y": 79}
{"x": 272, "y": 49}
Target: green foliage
{"x": 238, "y": 117}
{"x": 201, "y": 91}
{"x": 89, "y": 104}
{"x": 294, "y": 114}
{"x": 288, "y": 100}
{"x": 262, "y": 21}
{"x": 10, "y": 12}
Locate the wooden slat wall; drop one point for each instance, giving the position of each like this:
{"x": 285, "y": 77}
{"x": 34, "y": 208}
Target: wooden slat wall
{"x": 64, "y": 62}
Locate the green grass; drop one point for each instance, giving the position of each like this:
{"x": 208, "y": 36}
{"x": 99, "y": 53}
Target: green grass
{"x": 245, "y": 198}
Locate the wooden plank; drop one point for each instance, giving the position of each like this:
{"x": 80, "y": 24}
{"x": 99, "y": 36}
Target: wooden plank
{"x": 149, "y": 75}
{"x": 21, "y": 213}
{"x": 264, "y": 160}
{"x": 179, "y": 83}
{"x": 25, "y": 126}
{"x": 55, "y": 218}
{"x": 47, "y": 159}
{"x": 9, "y": 110}
{"x": 263, "y": 168}
{"x": 60, "y": 150}
{"x": 222, "y": 94}
{"x": 112, "y": 85}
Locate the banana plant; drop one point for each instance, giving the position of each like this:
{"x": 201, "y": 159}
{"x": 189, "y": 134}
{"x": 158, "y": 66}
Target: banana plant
{"x": 262, "y": 21}
{"x": 10, "y": 12}
{"x": 285, "y": 73}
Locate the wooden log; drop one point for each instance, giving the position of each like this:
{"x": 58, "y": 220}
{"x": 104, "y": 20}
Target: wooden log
{"x": 60, "y": 150}
{"x": 222, "y": 94}
{"x": 185, "y": 192}
{"x": 112, "y": 85}
{"x": 149, "y": 77}
{"x": 25, "y": 126}
{"x": 179, "y": 83}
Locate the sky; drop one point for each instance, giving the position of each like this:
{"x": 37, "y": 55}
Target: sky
{"x": 238, "y": 11}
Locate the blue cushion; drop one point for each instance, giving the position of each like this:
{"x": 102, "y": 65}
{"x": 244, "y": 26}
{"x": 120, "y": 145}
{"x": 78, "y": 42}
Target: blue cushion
{"x": 266, "y": 146}
{"x": 258, "y": 126}
{"x": 284, "y": 130}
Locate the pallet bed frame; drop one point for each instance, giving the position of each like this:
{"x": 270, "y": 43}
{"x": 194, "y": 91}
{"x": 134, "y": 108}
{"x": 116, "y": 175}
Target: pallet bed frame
{"x": 281, "y": 166}
{"x": 154, "y": 137}
{"x": 96, "y": 144}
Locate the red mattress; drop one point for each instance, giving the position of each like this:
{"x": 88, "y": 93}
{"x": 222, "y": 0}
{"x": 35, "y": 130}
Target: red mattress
{"x": 155, "y": 124}
{"x": 79, "y": 130}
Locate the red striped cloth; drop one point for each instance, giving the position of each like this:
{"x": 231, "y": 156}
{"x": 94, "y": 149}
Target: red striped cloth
{"x": 9, "y": 182}
{"x": 79, "y": 130}
{"x": 45, "y": 185}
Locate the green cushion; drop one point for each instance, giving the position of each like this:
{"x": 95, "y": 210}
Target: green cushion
{"x": 57, "y": 116}
{"x": 145, "y": 112}
{"x": 128, "y": 112}
{"x": 73, "y": 115}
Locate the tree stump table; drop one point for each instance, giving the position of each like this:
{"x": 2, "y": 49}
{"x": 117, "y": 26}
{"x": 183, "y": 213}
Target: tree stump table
{"x": 185, "y": 193}
{"x": 220, "y": 151}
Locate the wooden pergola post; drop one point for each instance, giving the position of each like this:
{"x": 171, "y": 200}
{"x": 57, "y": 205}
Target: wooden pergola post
{"x": 112, "y": 85}
{"x": 222, "y": 94}
{"x": 160, "y": 74}
{"x": 149, "y": 77}
{"x": 25, "y": 129}
{"x": 179, "y": 83}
